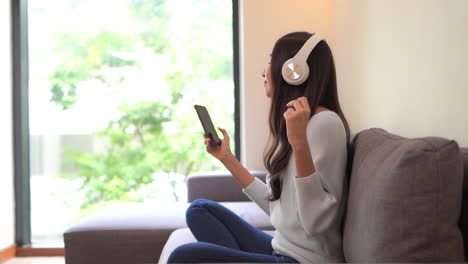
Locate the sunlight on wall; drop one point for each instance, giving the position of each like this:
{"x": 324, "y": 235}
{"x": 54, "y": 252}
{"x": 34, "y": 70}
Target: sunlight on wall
{"x": 402, "y": 66}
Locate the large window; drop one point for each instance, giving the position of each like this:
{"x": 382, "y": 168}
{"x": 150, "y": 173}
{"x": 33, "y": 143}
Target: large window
{"x": 111, "y": 86}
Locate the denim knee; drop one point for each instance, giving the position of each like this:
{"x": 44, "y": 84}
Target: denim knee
{"x": 197, "y": 204}
{"x": 183, "y": 253}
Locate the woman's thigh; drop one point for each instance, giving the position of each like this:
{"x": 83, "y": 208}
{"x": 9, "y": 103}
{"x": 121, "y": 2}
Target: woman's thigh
{"x": 202, "y": 252}
{"x": 212, "y": 222}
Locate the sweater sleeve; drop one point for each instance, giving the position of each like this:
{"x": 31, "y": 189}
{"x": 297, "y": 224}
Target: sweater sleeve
{"x": 319, "y": 195}
{"x": 257, "y": 191}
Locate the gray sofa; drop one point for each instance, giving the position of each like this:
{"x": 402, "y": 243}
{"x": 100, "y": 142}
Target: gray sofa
{"x": 385, "y": 172}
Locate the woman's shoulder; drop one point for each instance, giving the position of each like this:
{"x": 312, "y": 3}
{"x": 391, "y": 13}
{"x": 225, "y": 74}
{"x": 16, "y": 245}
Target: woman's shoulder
{"x": 325, "y": 116}
{"x": 325, "y": 121}
{"x": 325, "y": 130}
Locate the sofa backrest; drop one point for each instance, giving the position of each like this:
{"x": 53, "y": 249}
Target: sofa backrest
{"x": 217, "y": 186}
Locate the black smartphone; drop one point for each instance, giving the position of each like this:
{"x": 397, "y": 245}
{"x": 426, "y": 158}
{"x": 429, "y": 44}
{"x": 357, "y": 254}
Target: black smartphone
{"x": 207, "y": 124}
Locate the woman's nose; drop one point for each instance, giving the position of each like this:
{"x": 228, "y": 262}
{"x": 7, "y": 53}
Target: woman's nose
{"x": 263, "y": 73}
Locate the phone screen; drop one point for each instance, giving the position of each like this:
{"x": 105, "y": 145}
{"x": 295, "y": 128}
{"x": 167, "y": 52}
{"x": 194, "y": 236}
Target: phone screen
{"x": 207, "y": 124}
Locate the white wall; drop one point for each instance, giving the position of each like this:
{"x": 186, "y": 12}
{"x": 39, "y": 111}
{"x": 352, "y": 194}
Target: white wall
{"x": 262, "y": 23}
{"x": 6, "y": 152}
{"x": 402, "y": 66}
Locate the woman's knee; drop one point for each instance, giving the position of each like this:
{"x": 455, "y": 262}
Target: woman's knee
{"x": 183, "y": 254}
{"x": 194, "y": 252}
{"x": 197, "y": 205}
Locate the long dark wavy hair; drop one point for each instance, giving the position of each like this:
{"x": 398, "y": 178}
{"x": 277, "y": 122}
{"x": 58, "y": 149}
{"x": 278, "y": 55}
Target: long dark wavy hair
{"x": 320, "y": 90}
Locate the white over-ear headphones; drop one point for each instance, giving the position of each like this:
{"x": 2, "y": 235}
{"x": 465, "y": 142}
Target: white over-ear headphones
{"x": 295, "y": 70}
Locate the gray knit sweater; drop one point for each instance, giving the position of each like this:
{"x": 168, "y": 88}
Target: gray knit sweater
{"x": 308, "y": 215}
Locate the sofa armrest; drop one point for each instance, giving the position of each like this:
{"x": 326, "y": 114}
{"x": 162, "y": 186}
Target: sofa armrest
{"x": 217, "y": 186}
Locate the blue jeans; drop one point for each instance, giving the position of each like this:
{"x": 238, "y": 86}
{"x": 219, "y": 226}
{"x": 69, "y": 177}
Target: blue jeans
{"x": 224, "y": 237}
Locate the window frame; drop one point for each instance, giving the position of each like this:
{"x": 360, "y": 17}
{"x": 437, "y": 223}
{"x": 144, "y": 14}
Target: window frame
{"x": 21, "y": 148}
{"x": 20, "y": 64}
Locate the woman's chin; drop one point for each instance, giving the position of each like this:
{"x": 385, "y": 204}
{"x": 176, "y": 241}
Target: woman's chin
{"x": 267, "y": 94}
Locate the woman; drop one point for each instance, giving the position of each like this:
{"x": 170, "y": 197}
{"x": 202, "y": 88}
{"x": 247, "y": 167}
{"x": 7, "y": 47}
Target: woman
{"x": 305, "y": 188}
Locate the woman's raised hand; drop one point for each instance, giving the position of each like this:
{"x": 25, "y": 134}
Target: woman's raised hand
{"x": 221, "y": 151}
{"x": 224, "y": 154}
{"x": 297, "y": 116}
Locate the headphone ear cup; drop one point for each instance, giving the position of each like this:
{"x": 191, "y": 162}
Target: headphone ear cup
{"x": 305, "y": 74}
{"x": 285, "y": 71}
{"x": 294, "y": 73}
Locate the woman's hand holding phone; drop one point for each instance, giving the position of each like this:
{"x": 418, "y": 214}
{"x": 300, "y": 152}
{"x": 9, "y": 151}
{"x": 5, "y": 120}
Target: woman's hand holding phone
{"x": 220, "y": 148}
{"x": 224, "y": 154}
{"x": 222, "y": 151}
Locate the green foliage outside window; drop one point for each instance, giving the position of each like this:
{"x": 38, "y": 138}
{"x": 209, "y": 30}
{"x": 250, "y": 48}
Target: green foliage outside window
{"x": 138, "y": 142}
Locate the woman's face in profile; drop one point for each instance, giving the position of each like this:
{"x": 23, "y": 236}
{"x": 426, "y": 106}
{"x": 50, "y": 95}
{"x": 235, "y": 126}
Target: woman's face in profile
{"x": 267, "y": 82}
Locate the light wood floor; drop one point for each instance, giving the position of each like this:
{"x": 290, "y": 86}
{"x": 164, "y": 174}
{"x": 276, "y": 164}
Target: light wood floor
{"x": 37, "y": 260}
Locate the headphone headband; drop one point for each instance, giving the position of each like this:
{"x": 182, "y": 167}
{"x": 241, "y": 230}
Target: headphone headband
{"x": 307, "y": 48}
{"x": 295, "y": 70}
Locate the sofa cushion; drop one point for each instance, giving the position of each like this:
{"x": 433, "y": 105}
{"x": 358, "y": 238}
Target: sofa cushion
{"x": 404, "y": 200}
{"x": 179, "y": 237}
